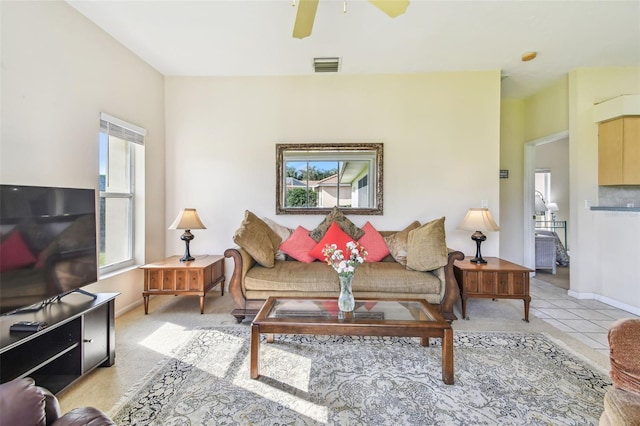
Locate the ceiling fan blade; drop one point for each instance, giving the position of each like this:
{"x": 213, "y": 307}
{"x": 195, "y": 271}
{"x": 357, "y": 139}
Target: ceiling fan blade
{"x": 392, "y": 8}
{"x": 304, "y": 18}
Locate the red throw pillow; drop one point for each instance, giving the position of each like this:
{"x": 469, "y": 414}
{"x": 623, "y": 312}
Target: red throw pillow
{"x": 373, "y": 242}
{"x": 14, "y": 253}
{"x": 298, "y": 245}
{"x": 335, "y": 235}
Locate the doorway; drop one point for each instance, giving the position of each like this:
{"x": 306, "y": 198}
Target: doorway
{"x": 547, "y": 208}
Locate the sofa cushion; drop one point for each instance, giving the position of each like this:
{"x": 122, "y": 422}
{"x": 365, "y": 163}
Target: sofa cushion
{"x": 282, "y": 231}
{"x": 399, "y": 242}
{"x": 334, "y": 235}
{"x": 22, "y": 403}
{"x": 293, "y": 276}
{"x": 85, "y": 416}
{"x": 345, "y": 224}
{"x": 317, "y": 277}
{"x": 257, "y": 239}
{"x": 427, "y": 246}
{"x": 298, "y": 245}
{"x": 391, "y": 277}
{"x": 373, "y": 242}
{"x": 621, "y": 407}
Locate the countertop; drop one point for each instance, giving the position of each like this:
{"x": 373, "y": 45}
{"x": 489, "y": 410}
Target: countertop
{"x": 615, "y": 209}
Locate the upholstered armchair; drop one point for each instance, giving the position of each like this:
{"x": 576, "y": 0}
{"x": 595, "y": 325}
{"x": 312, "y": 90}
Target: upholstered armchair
{"x": 25, "y": 404}
{"x": 622, "y": 400}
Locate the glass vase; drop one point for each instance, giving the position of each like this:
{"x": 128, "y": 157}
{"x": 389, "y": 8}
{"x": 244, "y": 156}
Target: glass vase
{"x": 346, "y": 302}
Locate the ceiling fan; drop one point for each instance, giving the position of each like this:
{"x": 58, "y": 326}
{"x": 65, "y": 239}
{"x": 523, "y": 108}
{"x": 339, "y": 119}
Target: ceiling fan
{"x": 307, "y": 13}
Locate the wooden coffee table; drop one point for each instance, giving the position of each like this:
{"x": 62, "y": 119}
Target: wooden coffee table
{"x": 372, "y": 317}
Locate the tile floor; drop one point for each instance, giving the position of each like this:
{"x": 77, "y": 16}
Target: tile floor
{"x": 585, "y": 320}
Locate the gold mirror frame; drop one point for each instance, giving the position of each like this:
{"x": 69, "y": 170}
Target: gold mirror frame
{"x": 326, "y": 149}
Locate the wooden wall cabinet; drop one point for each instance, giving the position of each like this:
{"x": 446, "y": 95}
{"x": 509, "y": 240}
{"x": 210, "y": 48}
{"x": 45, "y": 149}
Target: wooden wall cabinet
{"x": 619, "y": 151}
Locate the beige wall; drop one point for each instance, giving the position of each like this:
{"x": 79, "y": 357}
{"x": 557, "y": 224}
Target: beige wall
{"x": 547, "y": 112}
{"x": 605, "y": 246}
{"x": 595, "y": 271}
{"x": 440, "y": 133}
{"x": 59, "y": 71}
{"x": 511, "y": 189}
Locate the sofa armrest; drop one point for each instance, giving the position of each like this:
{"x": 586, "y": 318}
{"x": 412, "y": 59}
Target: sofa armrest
{"x": 84, "y": 416}
{"x": 451, "y": 291}
{"x": 242, "y": 262}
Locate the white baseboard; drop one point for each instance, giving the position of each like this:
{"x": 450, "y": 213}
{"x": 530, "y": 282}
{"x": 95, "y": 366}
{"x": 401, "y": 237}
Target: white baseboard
{"x": 129, "y": 307}
{"x": 616, "y": 303}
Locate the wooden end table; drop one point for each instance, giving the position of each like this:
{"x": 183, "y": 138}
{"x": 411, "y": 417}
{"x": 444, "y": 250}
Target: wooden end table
{"x": 496, "y": 279}
{"x": 195, "y": 278}
{"x": 371, "y": 317}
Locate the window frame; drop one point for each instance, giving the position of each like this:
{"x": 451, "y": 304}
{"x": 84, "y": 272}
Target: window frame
{"x": 133, "y": 136}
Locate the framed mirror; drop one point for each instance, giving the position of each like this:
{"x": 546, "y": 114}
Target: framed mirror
{"x": 314, "y": 178}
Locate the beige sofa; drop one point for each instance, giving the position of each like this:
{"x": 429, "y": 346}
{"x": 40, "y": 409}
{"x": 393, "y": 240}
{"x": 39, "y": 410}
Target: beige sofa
{"x": 251, "y": 283}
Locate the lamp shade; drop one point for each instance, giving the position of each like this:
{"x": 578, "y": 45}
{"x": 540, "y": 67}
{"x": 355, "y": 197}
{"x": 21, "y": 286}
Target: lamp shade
{"x": 552, "y": 207}
{"x": 187, "y": 219}
{"x": 478, "y": 219}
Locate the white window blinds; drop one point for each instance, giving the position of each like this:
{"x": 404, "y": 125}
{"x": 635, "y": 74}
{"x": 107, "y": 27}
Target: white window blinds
{"x": 121, "y": 129}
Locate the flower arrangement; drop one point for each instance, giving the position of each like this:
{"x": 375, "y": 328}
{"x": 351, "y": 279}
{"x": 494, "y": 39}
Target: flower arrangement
{"x": 345, "y": 266}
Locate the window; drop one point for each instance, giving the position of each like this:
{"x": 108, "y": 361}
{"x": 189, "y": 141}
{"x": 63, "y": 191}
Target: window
{"x": 119, "y": 143}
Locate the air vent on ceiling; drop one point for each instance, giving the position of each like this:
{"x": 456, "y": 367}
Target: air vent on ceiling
{"x": 326, "y": 64}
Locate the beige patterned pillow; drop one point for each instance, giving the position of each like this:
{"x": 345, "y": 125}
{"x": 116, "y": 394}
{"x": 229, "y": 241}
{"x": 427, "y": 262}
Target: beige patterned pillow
{"x": 260, "y": 241}
{"x": 283, "y": 232}
{"x": 345, "y": 224}
{"x": 398, "y": 243}
{"x": 427, "y": 248}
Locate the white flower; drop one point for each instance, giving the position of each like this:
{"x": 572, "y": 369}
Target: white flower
{"x": 344, "y": 265}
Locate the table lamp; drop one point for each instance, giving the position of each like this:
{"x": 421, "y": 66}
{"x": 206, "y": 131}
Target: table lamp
{"x": 478, "y": 220}
{"x": 553, "y": 208}
{"x": 187, "y": 219}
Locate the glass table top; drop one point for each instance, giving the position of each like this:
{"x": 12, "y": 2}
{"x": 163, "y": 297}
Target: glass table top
{"x": 387, "y": 310}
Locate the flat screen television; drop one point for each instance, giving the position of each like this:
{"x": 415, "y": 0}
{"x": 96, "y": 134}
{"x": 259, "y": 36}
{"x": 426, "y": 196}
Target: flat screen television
{"x": 47, "y": 244}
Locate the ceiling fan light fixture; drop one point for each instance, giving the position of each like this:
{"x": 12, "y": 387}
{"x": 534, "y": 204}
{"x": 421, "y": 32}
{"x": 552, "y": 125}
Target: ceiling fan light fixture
{"x": 330, "y": 64}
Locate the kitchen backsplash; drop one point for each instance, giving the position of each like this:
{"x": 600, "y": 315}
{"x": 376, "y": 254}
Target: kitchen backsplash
{"x": 619, "y": 196}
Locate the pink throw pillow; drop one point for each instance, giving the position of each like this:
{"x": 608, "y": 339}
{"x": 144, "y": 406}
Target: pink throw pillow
{"x": 335, "y": 235}
{"x": 298, "y": 245}
{"x": 373, "y": 242}
{"x": 14, "y": 253}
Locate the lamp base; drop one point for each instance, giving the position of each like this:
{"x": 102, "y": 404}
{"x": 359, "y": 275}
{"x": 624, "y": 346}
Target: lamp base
{"x": 187, "y": 237}
{"x": 478, "y": 237}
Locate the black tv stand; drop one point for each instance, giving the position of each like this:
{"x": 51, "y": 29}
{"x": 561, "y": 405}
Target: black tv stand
{"x": 80, "y": 337}
{"x": 77, "y": 290}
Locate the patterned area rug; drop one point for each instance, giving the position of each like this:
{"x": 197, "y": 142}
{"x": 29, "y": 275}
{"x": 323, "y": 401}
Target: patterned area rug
{"x": 500, "y": 378}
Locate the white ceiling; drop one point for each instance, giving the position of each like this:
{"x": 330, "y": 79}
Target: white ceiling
{"x": 250, "y": 38}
